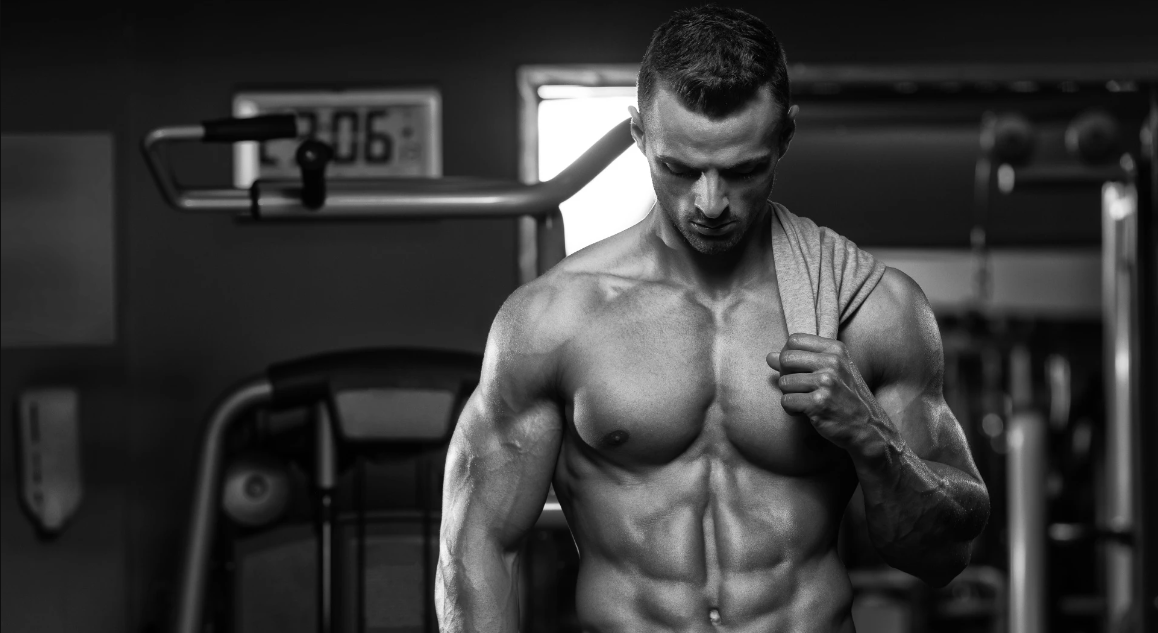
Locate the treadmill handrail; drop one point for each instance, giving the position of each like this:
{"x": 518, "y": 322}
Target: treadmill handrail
{"x": 388, "y": 198}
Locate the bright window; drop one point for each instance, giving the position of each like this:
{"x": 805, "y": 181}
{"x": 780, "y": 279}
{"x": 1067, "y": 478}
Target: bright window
{"x": 571, "y": 119}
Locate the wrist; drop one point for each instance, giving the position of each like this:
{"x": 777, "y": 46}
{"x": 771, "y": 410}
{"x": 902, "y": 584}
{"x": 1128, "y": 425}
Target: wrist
{"x": 877, "y": 443}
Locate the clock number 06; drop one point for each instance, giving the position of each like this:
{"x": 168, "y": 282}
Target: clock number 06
{"x": 354, "y": 140}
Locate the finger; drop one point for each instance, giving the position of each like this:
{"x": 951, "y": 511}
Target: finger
{"x": 799, "y": 403}
{"x": 794, "y": 361}
{"x": 804, "y": 383}
{"x": 813, "y": 343}
{"x": 773, "y": 360}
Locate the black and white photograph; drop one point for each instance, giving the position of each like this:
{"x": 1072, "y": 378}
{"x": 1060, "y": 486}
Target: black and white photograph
{"x": 566, "y": 316}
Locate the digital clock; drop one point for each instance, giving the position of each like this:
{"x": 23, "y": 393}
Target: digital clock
{"x": 375, "y": 133}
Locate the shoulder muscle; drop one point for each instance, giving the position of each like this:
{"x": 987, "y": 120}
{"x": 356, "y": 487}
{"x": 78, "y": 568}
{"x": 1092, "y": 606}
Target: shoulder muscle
{"x": 894, "y": 335}
{"x": 522, "y": 352}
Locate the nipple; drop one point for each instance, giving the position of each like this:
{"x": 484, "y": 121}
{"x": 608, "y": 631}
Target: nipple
{"x": 714, "y": 616}
{"x": 615, "y": 438}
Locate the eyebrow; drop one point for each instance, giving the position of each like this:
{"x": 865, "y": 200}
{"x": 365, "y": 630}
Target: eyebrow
{"x": 750, "y": 163}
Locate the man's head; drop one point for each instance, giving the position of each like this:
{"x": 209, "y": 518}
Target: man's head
{"x": 713, "y": 121}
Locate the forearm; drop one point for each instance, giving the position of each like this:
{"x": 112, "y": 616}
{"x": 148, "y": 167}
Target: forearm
{"x": 476, "y": 589}
{"x": 922, "y": 515}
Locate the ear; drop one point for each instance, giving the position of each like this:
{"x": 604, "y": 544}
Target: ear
{"x": 637, "y": 132}
{"x": 788, "y": 129}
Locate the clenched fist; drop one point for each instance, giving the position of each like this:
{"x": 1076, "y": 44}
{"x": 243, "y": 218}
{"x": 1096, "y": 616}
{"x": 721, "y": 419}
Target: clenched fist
{"x": 820, "y": 382}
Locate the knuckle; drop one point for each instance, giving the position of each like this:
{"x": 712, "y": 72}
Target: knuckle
{"x": 820, "y": 396}
{"x": 826, "y": 380}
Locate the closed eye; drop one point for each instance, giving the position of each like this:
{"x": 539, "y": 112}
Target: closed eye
{"x": 745, "y": 172}
{"x": 678, "y": 170}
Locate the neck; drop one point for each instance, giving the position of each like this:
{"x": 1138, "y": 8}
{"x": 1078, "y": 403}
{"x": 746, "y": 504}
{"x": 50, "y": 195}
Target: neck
{"x": 748, "y": 261}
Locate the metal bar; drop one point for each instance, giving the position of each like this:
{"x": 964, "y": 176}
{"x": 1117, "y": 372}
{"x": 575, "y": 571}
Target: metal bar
{"x": 195, "y": 561}
{"x": 360, "y": 561}
{"x": 447, "y": 198}
{"x": 526, "y": 244}
{"x": 1146, "y": 492}
{"x": 971, "y": 73}
{"x": 398, "y": 200}
{"x": 806, "y": 75}
{"x": 530, "y": 77}
{"x": 1009, "y": 177}
{"x": 1119, "y": 288}
{"x": 527, "y": 240}
{"x": 325, "y": 478}
{"x": 427, "y": 198}
{"x": 552, "y": 517}
{"x": 1026, "y": 466}
{"x": 162, "y": 175}
{"x": 211, "y": 200}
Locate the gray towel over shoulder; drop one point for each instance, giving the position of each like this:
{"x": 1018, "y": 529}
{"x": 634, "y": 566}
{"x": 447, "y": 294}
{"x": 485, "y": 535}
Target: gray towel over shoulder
{"x": 823, "y": 276}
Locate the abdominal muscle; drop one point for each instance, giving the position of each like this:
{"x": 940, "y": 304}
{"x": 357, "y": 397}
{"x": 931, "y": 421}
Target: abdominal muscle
{"x": 706, "y": 543}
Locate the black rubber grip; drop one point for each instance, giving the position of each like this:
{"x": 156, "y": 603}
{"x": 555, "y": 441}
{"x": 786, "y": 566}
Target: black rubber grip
{"x": 312, "y": 157}
{"x": 258, "y": 128}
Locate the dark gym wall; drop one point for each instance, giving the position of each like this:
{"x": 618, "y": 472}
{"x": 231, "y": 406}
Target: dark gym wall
{"x": 204, "y": 302}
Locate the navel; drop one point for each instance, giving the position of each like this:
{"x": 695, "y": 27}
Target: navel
{"x": 615, "y": 438}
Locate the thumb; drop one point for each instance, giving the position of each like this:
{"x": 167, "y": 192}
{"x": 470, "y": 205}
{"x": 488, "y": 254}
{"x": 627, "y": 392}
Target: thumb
{"x": 773, "y": 360}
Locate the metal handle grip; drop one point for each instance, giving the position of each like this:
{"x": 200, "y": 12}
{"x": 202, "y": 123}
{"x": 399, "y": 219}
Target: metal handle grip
{"x": 389, "y": 199}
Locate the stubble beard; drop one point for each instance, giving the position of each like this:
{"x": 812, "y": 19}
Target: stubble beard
{"x": 713, "y": 247}
{"x": 708, "y": 246}
{"x": 701, "y": 244}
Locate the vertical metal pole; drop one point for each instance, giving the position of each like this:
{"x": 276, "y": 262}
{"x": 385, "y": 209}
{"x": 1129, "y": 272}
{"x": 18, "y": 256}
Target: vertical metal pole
{"x": 1146, "y": 268}
{"x": 1026, "y": 467}
{"x": 528, "y": 244}
{"x": 1119, "y": 294}
{"x": 206, "y": 499}
{"x": 526, "y": 235}
{"x": 325, "y": 477}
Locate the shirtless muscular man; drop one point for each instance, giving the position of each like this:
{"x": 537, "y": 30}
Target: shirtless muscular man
{"x": 703, "y": 447}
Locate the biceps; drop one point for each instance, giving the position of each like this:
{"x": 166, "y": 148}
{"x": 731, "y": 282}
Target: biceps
{"x": 499, "y": 468}
{"x": 928, "y": 426}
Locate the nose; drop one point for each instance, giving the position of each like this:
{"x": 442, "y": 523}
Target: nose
{"x": 711, "y": 199}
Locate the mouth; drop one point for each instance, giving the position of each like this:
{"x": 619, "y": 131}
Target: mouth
{"x": 713, "y": 229}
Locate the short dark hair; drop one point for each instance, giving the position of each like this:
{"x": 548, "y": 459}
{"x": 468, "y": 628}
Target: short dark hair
{"x": 714, "y": 59}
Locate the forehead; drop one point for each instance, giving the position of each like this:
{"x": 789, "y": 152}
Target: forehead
{"x": 678, "y": 132}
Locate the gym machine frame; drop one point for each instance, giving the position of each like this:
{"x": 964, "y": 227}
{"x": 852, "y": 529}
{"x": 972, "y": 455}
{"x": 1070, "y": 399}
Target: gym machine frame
{"x": 315, "y": 199}
{"x": 1004, "y": 139}
{"x": 311, "y": 382}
